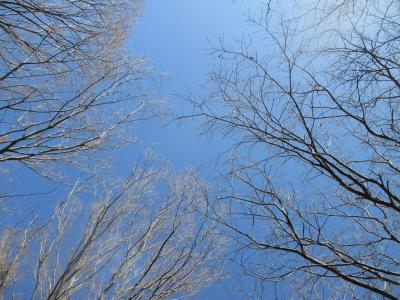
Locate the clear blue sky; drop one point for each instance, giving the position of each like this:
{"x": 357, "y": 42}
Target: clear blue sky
{"x": 176, "y": 36}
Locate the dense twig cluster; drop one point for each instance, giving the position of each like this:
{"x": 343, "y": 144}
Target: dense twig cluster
{"x": 62, "y": 65}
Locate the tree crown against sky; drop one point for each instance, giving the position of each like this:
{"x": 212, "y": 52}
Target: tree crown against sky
{"x": 70, "y": 89}
{"x": 68, "y": 82}
{"x": 140, "y": 238}
{"x": 313, "y": 113}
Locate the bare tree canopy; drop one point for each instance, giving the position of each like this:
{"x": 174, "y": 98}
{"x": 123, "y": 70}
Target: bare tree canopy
{"x": 144, "y": 238}
{"x": 313, "y": 109}
{"x": 67, "y": 83}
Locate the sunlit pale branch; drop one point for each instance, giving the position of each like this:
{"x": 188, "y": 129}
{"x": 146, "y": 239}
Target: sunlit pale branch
{"x": 142, "y": 239}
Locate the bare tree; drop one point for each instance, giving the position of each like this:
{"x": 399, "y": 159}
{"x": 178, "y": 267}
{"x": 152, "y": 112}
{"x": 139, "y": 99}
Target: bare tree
{"x": 144, "y": 239}
{"x": 69, "y": 85}
{"x": 314, "y": 119}
{"x": 67, "y": 80}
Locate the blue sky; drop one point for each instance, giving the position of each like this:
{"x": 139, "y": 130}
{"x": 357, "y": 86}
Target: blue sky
{"x": 176, "y": 37}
